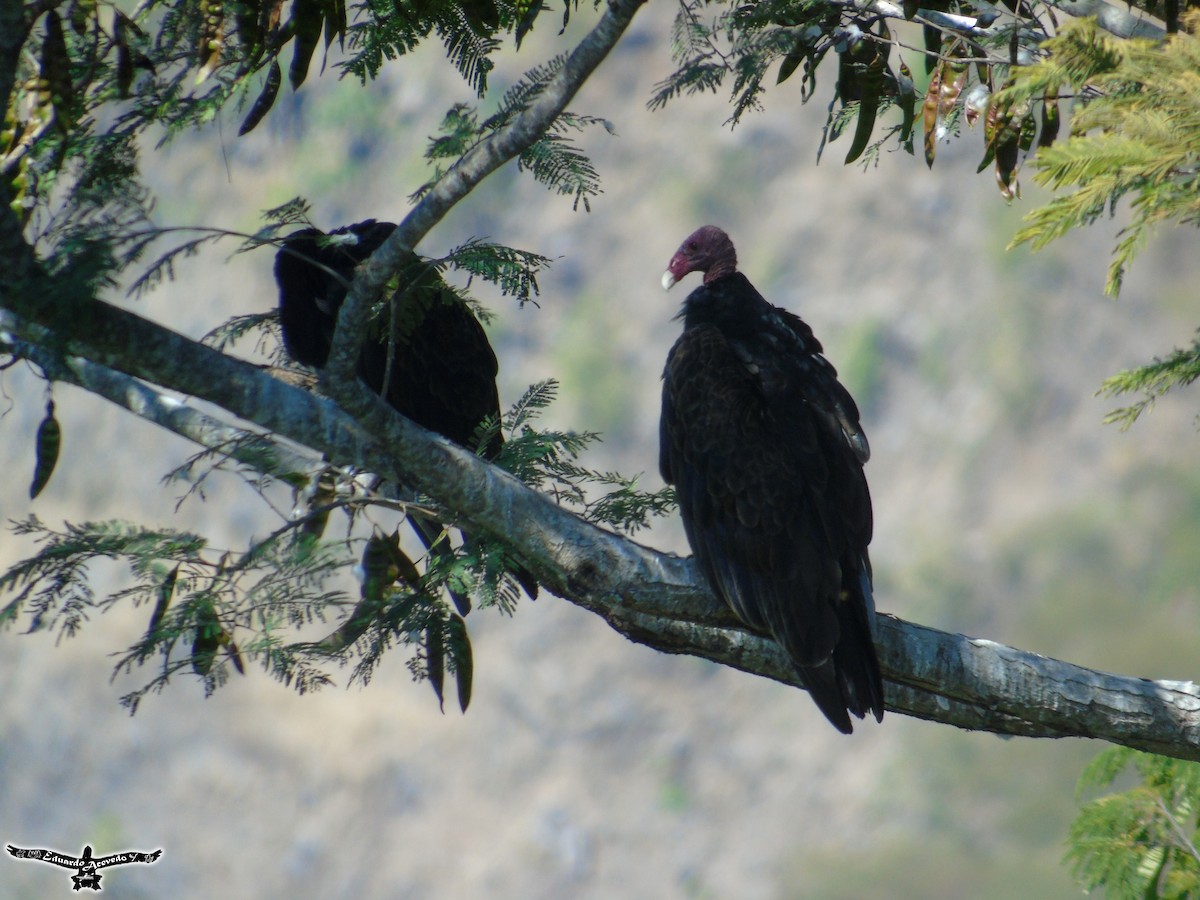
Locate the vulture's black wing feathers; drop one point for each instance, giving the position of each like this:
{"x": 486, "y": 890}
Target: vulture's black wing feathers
{"x": 764, "y": 447}
{"x": 442, "y": 370}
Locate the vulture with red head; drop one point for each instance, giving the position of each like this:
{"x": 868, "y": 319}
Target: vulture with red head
{"x": 442, "y": 369}
{"x": 765, "y": 450}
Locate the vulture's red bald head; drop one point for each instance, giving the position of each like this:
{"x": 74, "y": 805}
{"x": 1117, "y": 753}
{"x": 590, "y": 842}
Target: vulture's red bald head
{"x": 708, "y": 250}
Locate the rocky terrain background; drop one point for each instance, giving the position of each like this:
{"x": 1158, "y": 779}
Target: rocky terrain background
{"x": 587, "y": 766}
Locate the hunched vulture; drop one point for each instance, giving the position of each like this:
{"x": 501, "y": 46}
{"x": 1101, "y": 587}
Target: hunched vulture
{"x": 443, "y": 370}
{"x": 765, "y": 450}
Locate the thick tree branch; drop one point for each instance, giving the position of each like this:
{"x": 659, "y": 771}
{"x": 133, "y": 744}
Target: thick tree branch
{"x": 652, "y": 598}
{"x": 971, "y": 683}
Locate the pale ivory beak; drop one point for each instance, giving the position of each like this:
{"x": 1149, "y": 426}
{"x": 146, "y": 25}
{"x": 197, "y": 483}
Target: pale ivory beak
{"x": 668, "y": 280}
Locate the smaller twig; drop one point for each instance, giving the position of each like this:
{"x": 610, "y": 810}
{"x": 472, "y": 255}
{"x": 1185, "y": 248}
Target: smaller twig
{"x": 1183, "y": 841}
{"x": 25, "y": 146}
{"x": 895, "y": 42}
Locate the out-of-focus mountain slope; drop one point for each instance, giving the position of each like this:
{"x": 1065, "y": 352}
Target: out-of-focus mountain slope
{"x": 587, "y": 766}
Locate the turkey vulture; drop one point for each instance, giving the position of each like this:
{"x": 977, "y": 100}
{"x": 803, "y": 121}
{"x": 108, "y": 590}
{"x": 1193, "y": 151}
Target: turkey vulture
{"x": 442, "y": 371}
{"x": 765, "y": 450}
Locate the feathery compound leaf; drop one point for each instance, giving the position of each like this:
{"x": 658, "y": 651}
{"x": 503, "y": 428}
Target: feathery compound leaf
{"x": 388, "y": 30}
{"x": 52, "y": 586}
{"x": 1141, "y": 842}
{"x": 548, "y": 460}
{"x": 235, "y": 329}
{"x": 1135, "y": 133}
{"x": 1179, "y": 369}
{"x": 513, "y": 271}
{"x": 537, "y": 397}
{"x": 163, "y": 268}
{"x": 558, "y": 164}
{"x": 467, "y": 49}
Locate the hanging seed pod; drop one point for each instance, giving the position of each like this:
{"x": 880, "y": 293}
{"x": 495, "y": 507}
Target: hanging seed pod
{"x": 527, "y": 13}
{"x": 1050, "y": 118}
{"x": 907, "y": 101}
{"x": 166, "y": 590}
{"x": 81, "y": 13}
{"x": 320, "y": 494}
{"x": 9, "y": 133}
{"x": 335, "y": 22}
{"x": 435, "y": 658}
{"x": 945, "y": 87}
{"x": 212, "y": 38}
{"x": 124, "y": 56}
{"x": 207, "y": 640}
{"x": 875, "y": 69}
{"x": 49, "y": 437}
{"x": 307, "y": 17}
{"x": 19, "y": 188}
{"x": 55, "y": 69}
{"x": 211, "y": 636}
{"x": 271, "y": 16}
{"x": 250, "y": 26}
{"x": 266, "y": 98}
{"x": 464, "y": 663}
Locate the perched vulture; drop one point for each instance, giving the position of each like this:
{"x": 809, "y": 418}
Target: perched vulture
{"x": 443, "y": 373}
{"x": 765, "y": 450}
{"x": 443, "y": 370}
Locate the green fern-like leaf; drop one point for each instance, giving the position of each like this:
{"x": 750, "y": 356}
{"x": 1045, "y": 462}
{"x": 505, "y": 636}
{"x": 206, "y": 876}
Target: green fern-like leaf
{"x": 513, "y": 271}
{"x": 1152, "y": 381}
{"x": 1141, "y": 842}
{"x": 1136, "y": 134}
{"x": 549, "y": 460}
{"x": 557, "y": 163}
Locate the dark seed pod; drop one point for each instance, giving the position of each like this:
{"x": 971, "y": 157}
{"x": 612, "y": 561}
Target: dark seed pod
{"x": 49, "y": 437}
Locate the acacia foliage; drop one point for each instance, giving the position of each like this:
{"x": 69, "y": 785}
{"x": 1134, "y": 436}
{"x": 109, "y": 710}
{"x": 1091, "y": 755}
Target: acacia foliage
{"x": 1141, "y": 842}
{"x": 91, "y": 84}
{"x": 1134, "y": 136}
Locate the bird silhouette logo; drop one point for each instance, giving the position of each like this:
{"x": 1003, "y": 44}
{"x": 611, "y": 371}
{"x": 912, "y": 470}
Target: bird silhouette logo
{"x": 87, "y": 874}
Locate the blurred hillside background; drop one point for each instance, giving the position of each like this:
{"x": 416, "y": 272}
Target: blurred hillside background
{"x": 587, "y": 766}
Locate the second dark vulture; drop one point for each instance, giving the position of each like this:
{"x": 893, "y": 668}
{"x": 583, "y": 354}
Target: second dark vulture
{"x": 765, "y": 450}
{"x": 443, "y": 370}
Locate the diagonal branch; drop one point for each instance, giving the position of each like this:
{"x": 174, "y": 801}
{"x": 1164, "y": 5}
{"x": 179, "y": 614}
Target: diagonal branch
{"x": 487, "y": 156}
{"x": 653, "y": 598}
